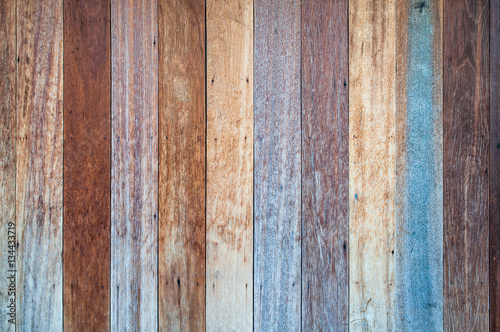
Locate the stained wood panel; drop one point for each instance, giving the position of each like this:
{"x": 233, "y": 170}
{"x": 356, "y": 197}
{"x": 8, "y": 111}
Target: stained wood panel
{"x": 87, "y": 171}
{"x": 39, "y": 164}
{"x": 419, "y": 176}
{"x": 466, "y": 156}
{"x": 182, "y": 165}
{"x": 134, "y": 165}
{"x": 7, "y": 160}
{"x": 277, "y": 170}
{"x": 229, "y": 165}
{"x": 372, "y": 153}
{"x": 325, "y": 165}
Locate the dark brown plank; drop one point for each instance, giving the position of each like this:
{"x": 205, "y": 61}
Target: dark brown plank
{"x": 277, "y": 166}
{"x": 465, "y": 164}
{"x": 181, "y": 165}
{"x": 87, "y": 172}
{"x": 325, "y": 160}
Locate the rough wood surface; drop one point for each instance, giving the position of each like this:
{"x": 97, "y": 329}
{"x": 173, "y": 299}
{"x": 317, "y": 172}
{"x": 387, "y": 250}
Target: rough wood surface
{"x": 87, "y": 171}
{"x": 7, "y": 161}
{"x": 277, "y": 179}
{"x": 494, "y": 227}
{"x": 372, "y": 152}
{"x": 182, "y": 165}
{"x": 134, "y": 165}
{"x": 229, "y": 235}
{"x": 419, "y": 176}
{"x": 39, "y": 153}
{"x": 465, "y": 171}
{"x": 325, "y": 165}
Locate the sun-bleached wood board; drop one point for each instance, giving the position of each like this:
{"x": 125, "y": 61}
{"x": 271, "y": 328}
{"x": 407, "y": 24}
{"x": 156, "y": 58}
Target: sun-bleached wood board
{"x": 39, "y": 164}
{"x": 372, "y": 153}
{"x": 325, "y": 165}
{"x": 134, "y": 165}
{"x": 87, "y": 170}
{"x": 419, "y": 177}
{"x": 277, "y": 179}
{"x": 465, "y": 164}
{"x": 7, "y": 162}
{"x": 229, "y": 253}
{"x": 181, "y": 165}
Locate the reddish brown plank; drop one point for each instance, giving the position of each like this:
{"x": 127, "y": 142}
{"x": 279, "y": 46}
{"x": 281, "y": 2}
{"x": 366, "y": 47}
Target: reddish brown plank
{"x": 325, "y": 165}
{"x": 87, "y": 172}
{"x": 465, "y": 164}
{"x": 181, "y": 165}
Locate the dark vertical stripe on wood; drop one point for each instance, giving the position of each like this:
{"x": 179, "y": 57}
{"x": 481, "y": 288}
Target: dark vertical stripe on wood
{"x": 325, "y": 159}
{"x": 182, "y": 165}
{"x": 134, "y": 165}
{"x": 277, "y": 166}
{"x": 87, "y": 170}
{"x": 465, "y": 169}
{"x": 7, "y": 160}
{"x": 39, "y": 154}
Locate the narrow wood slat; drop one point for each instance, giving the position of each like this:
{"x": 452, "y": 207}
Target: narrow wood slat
{"x": 419, "y": 176}
{"x": 229, "y": 221}
{"x": 325, "y": 162}
{"x": 465, "y": 169}
{"x": 372, "y": 152}
{"x": 7, "y": 162}
{"x": 494, "y": 180}
{"x": 134, "y": 165}
{"x": 277, "y": 176}
{"x": 182, "y": 165}
{"x": 39, "y": 163}
{"x": 87, "y": 171}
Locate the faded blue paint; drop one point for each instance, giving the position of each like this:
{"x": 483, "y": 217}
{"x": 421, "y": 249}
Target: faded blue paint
{"x": 420, "y": 204}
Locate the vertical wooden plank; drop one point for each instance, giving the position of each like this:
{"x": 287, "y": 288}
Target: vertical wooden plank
{"x": 7, "y": 163}
{"x": 39, "y": 163}
{"x": 372, "y": 153}
{"x": 229, "y": 165}
{"x": 419, "y": 176}
{"x": 325, "y": 161}
{"x": 182, "y": 165}
{"x": 134, "y": 165}
{"x": 494, "y": 180}
{"x": 465, "y": 169}
{"x": 87, "y": 171}
{"x": 277, "y": 179}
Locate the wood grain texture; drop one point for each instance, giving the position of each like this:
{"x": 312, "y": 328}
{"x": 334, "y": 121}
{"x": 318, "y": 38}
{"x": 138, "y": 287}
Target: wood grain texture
{"x": 419, "y": 168}
{"x": 39, "y": 163}
{"x": 87, "y": 169}
{"x": 182, "y": 165}
{"x": 325, "y": 165}
{"x": 277, "y": 175}
{"x": 465, "y": 171}
{"x": 7, "y": 161}
{"x": 134, "y": 165}
{"x": 494, "y": 180}
{"x": 229, "y": 234}
{"x": 372, "y": 153}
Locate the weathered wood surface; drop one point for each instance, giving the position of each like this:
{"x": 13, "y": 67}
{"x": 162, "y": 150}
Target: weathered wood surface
{"x": 134, "y": 165}
{"x": 465, "y": 170}
{"x": 7, "y": 159}
{"x": 419, "y": 176}
{"x": 229, "y": 221}
{"x": 325, "y": 165}
{"x": 87, "y": 169}
{"x": 39, "y": 164}
{"x": 182, "y": 165}
{"x": 277, "y": 177}
{"x": 372, "y": 153}
{"x": 494, "y": 209}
